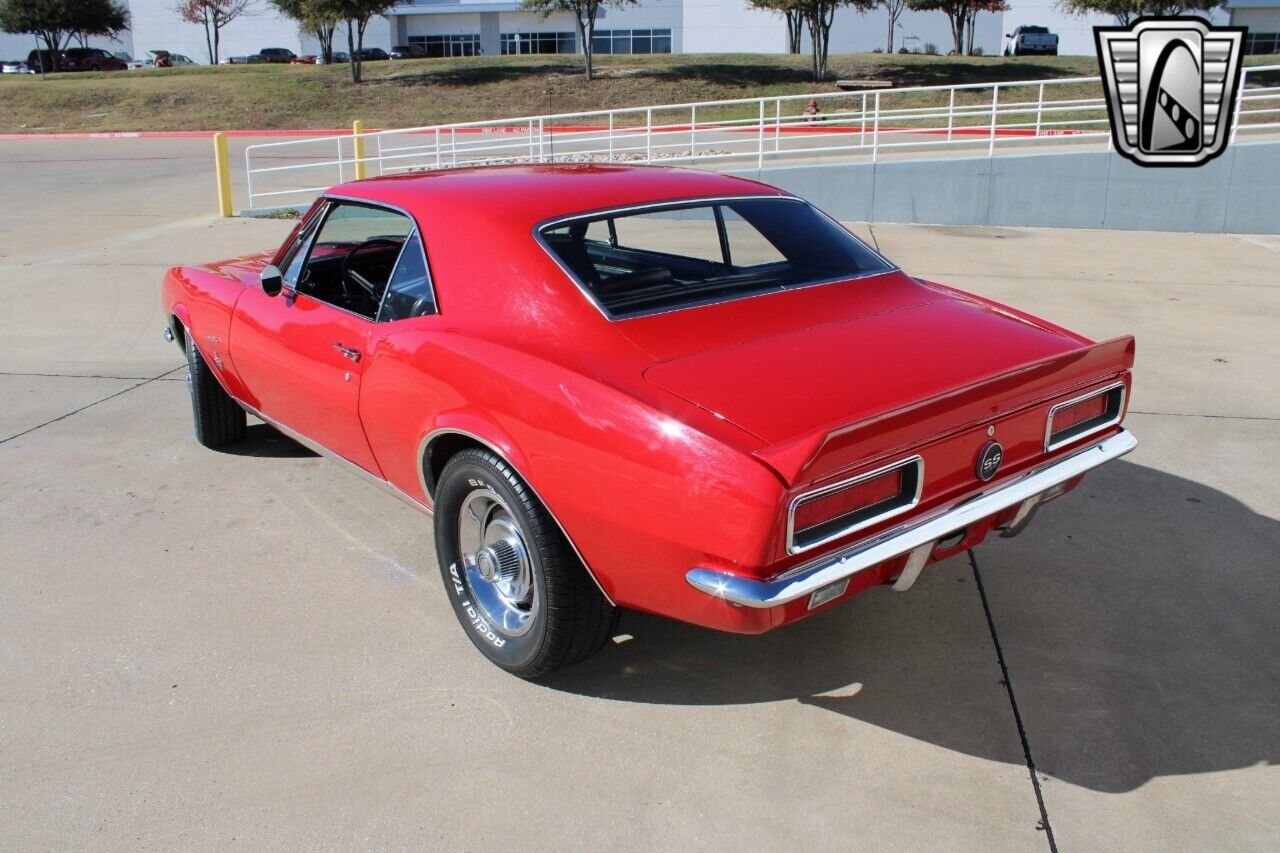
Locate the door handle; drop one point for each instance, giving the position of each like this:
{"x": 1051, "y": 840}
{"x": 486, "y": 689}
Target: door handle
{"x": 348, "y": 352}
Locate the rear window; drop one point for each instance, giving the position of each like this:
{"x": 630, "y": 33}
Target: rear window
{"x": 676, "y": 256}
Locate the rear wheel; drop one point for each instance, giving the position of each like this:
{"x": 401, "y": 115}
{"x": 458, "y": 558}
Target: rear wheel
{"x": 516, "y": 585}
{"x": 219, "y": 420}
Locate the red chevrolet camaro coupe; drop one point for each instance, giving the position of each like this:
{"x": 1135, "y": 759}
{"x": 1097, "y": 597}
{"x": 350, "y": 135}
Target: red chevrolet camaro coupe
{"x": 669, "y": 390}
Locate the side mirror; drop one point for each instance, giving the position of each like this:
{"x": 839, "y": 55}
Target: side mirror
{"x": 271, "y": 279}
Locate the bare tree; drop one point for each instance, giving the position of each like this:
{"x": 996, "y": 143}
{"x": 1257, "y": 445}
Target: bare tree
{"x": 213, "y": 15}
{"x": 893, "y": 9}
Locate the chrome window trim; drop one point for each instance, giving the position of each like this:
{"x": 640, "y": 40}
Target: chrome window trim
{"x": 914, "y": 459}
{"x": 422, "y": 482}
{"x": 890, "y": 266}
{"x": 1050, "y": 446}
{"x": 307, "y": 231}
{"x": 422, "y": 241}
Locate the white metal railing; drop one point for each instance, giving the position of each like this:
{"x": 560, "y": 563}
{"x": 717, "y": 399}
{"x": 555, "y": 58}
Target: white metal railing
{"x": 980, "y": 117}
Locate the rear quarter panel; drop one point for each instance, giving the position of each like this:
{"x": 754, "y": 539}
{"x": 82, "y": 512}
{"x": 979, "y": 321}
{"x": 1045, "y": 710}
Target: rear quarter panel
{"x": 643, "y": 495}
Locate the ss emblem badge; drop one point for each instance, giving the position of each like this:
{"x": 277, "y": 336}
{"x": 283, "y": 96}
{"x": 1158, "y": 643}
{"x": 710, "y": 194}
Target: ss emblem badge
{"x": 989, "y": 458}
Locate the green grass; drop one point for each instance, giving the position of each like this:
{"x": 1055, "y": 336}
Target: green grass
{"x": 431, "y": 91}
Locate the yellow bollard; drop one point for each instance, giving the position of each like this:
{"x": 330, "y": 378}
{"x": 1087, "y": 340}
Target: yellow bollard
{"x": 357, "y": 146}
{"x": 223, "y": 174}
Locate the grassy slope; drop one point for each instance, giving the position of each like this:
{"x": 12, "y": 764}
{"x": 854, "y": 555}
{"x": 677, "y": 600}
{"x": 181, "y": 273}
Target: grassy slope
{"x": 421, "y": 92}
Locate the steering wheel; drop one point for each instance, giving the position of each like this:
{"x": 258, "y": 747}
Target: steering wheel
{"x": 367, "y": 286}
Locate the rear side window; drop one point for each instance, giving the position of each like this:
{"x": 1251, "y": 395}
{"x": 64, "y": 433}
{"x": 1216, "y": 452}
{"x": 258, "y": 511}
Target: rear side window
{"x": 409, "y": 291}
{"x": 661, "y": 258}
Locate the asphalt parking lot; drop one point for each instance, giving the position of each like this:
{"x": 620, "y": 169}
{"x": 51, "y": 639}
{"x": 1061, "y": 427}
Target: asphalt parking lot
{"x": 253, "y": 648}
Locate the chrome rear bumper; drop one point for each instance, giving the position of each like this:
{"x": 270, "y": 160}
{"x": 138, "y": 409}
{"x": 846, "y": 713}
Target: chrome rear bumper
{"x": 913, "y": 534}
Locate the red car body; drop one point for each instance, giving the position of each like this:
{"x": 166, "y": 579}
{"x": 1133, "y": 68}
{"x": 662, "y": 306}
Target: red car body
{"x": 673, "y": 448}
{"x": 91, "y": 59}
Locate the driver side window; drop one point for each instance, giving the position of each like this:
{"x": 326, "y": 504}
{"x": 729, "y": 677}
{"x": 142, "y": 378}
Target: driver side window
{"x": 352, "y": 257}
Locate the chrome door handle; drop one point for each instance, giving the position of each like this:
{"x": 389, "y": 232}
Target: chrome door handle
{"x": 348, "y": 352}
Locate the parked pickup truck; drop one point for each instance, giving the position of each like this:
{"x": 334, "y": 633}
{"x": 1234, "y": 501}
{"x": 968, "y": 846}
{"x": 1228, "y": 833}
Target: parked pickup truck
{"x": 1031, "y": 39}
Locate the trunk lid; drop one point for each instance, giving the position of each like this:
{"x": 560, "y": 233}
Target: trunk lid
{"x": 904, "y": 365}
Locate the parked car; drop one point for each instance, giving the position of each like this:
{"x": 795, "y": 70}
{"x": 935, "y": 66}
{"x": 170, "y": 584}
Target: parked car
{"x": 166, "y": 59}
{"x": 39, "y": 60}
{"x": 671, "y": 390}
{"x": 277, "y": 54}
{"x": 340, "y": 56}
{"x": 16, "y": 66}
{"x": 1031, "y": 40}
{"x": 309, "y": 59}
{"x": 372, "y": 54}
{"x": 408, "y": 51}
{"x": 251, "y": 59}
{"x": 91, "y": 59}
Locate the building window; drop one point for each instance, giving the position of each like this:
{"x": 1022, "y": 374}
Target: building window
{"x": 1261, "y": 44}
{"x": 631, "y": 41}
{"x": 467, "y": 44}
{"x": 518, "y": 43}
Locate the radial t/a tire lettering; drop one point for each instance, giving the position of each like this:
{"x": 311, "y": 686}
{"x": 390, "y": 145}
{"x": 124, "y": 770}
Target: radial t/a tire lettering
{"x": 518, "y": 588}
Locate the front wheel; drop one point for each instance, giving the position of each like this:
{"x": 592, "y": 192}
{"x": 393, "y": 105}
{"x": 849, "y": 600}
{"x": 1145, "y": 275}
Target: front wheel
{"x": 516, "y": 585}
{"x": 219, "y": 420}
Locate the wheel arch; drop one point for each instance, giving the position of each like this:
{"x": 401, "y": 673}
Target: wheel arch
{"x": 454, "y": 434}
{"x": 179, "y": 324}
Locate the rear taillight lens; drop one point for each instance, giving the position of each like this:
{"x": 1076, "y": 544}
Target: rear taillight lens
{"x": 836, "y": 510}
{"x": 1083, "y": 416}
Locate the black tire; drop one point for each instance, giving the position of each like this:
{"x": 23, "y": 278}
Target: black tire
{"x": 569, "y": 620}
{"x": 219, "y": 420}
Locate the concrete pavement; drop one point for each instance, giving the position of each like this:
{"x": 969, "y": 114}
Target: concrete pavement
{"x": 253, "y": 648}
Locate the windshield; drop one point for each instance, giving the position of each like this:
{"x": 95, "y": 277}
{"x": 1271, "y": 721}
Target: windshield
{"x": 675, "y": 256}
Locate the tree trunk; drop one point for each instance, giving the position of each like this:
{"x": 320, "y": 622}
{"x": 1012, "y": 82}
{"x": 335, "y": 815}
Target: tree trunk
{"x": 957, "y": 32}
{"x": 357, "y": 60}
{"x": 208, "y": 40}
{"x": 795, "y": 31}
{"x": 217, "y": 39}
{"x": 814, "y": 37}
{"x": 586, "y": 30}
{"x": 889, "y": 46}
{"x": 326, "y": 42}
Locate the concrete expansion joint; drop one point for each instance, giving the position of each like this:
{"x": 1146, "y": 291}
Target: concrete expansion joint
{"x": 1202, "y": 415}
{"x": 1044, "y": 824}
{"x": 142, "y": 382}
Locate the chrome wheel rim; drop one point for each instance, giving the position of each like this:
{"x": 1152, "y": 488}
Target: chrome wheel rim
{"x": 495, "y": 560}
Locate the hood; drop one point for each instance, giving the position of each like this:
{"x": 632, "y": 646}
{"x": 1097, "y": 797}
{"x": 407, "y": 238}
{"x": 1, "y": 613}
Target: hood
{"x": 244, "y": 269}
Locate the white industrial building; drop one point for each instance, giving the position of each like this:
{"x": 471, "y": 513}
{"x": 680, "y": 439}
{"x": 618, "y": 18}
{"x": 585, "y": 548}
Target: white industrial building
{"x": 470, "y": 27}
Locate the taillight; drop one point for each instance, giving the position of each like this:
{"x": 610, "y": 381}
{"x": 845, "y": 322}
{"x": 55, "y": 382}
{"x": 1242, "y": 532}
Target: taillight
{"x": 830, "y": 512}
{"x": 1083, "y": 416}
